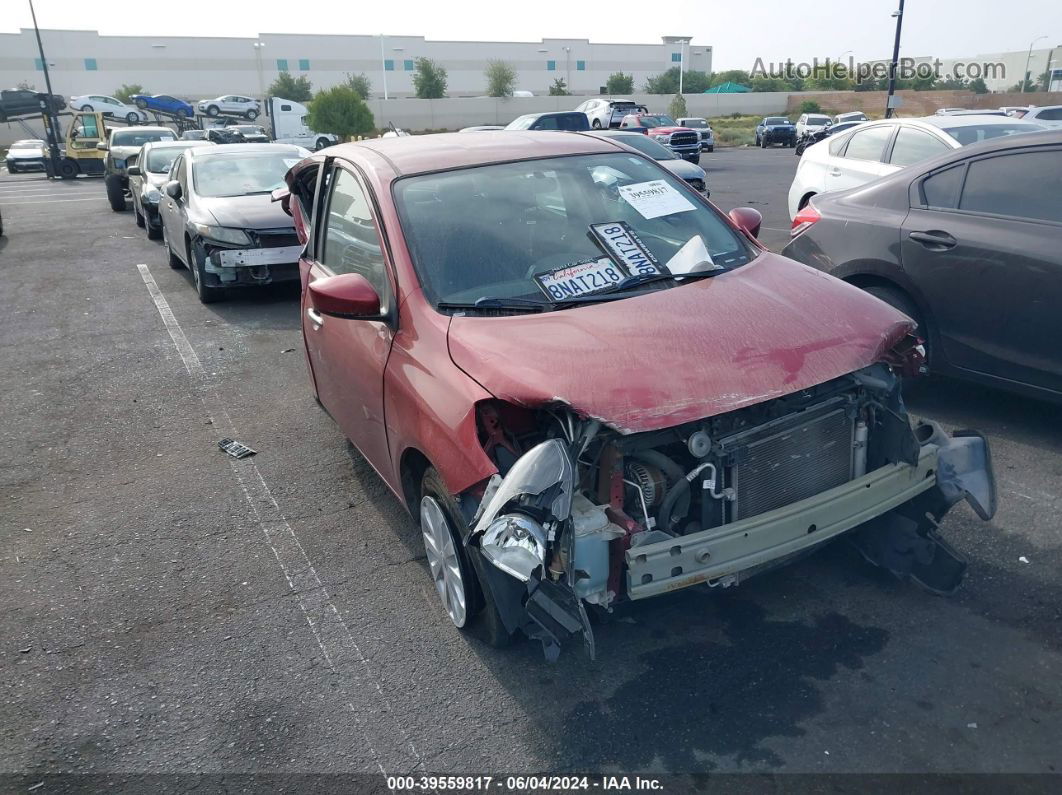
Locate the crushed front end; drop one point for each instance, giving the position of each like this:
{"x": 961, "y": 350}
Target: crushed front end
{"x": 249, "y": 257}
{"x": 582, "y": 516}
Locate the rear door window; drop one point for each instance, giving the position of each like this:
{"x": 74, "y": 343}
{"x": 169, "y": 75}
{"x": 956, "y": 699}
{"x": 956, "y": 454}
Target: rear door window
{"x": 914, "y": 146}
{"x": 1020, "y": 185}
{"x": 941, "y": 190}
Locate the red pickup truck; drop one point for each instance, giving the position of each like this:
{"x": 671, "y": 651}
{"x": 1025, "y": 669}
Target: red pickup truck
{"x": 683, "y": 141}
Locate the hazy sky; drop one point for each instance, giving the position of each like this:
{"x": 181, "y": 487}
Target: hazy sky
{"x": 740, "y": 31}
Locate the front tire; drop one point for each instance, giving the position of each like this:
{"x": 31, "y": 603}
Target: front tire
{"x": 142, "y": 104}
{"x": 138, "y": 217}
{"x": 763, "y": 143}
{"x": 171, "y": 258}
{"x": 132, "y": 118}
{"x": 115, "y": 194}
{"x": 213, "y": 110}
{"x": 710, "y": 149}
{"x": 85, "y": 109}
{"x": 451, "y": 572}
{"x": 207, "y": 294}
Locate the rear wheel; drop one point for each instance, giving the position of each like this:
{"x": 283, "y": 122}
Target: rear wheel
{"x": 115, "y": 194}
{"x": 252, "y": 115}
{"x": 173, "y": 260}
{"x": 321, "y": 144}
{"x": 597, "y": 124}
{"x": 85, "y": 109}
{"x": 132, "y": 118}
{"x": 451, "y": 572}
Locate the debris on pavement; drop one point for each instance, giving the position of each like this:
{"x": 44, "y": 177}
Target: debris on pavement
{"x": 235, "y": 449}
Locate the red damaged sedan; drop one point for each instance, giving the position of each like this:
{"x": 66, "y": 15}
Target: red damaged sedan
{"x": 589, "y": 385}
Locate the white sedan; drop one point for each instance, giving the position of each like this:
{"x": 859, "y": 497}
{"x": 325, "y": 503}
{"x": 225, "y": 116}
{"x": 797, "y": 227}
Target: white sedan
{"x": 108, "y": 106}
{"x": 874, "y": 149}
{"x": 230, "y": 105}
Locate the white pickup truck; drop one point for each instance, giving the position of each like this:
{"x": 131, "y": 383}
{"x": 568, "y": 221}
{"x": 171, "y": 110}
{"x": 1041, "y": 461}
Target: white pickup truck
{"x": 287, "y": 125}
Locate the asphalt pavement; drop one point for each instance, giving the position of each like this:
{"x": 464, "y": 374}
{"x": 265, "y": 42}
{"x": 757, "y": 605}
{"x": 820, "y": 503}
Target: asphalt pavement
{"x": 166, "y": 608}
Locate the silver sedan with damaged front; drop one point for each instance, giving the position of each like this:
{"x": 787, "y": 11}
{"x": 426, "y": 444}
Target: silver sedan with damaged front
{"x": 219, "y": 220}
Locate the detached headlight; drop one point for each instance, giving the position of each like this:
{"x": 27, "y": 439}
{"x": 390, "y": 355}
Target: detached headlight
{"x": 516, "y": 544}
{"x": 222, "y": 234}
{"x": 152, "y": 195}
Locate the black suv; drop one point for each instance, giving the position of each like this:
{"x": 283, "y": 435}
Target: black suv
{"x": 25, "y": 102}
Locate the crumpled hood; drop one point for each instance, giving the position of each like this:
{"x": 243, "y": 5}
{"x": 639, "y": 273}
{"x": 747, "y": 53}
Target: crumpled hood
{"x": 767, "y": 329}
{"x": 247, "y": 212}
{"x": 123, "y": 152}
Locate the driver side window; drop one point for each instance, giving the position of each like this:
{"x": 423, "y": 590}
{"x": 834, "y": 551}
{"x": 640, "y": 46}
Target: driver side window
{"x": 351, "y": 242}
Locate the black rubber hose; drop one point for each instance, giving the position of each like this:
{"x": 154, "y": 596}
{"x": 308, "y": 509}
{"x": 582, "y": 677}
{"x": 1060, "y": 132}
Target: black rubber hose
{"x": 674, "y": 494}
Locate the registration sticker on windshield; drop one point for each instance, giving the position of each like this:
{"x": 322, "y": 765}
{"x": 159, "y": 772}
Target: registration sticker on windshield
{"x": 655, "y": 198}
{"x": 581, "y": 278}
{"x": 619, "y": 240}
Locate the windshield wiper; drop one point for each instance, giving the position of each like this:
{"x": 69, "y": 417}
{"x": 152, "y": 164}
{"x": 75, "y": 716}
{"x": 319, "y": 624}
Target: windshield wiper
{"x": 486, "y": 302}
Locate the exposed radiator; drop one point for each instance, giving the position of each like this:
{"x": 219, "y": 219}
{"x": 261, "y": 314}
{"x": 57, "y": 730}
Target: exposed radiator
{"x": 792, "y": 458}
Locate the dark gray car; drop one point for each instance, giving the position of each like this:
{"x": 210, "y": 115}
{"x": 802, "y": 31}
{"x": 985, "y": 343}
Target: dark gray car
{"x": 968, "y": 245}
{"x": 147, "y": 175}
{"x": 219, "y": 219}
{"x": 565, "y": 121}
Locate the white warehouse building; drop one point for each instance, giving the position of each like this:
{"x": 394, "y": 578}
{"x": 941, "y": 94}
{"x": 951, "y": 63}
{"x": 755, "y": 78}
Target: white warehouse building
{"x": 85, "y": 62}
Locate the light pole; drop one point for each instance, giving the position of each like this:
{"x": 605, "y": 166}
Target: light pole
{"x": 48, "y": 106}
{"x": 895, "y": 61}
{"x": 682, "y": 61}
{"x": 839, "y": 57}
{"x": 258, "y": 45}
{"x": 383, "y": 65}
{"x": 568, "y": 66}
{"x": 1025, "y": 74}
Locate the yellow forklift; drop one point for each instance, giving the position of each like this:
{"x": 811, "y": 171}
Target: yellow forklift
{"x": 82, "y": 156}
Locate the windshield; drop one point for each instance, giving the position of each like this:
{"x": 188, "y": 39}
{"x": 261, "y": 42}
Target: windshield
{"x": 243, "y": 173}
{"x": 817, "y": 121}
{"x": 159, "y": 160}
{"x": 511, "y": 231}
{"x": 27, "y": 144}
{"x": 699, "y": 124}
{"x": 972, "y": 133}
{"x": 647, "y": 146}
{"x": 141, "y": 137}
{"x": 776, "y": 120}
{"x": 658, "y": 121}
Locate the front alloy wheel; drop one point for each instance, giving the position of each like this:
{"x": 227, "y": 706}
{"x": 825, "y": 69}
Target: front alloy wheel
{"x": 443, "y": 560}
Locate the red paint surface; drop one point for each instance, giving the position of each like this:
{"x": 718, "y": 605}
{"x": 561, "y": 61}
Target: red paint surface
{"x": 767, "y": 329}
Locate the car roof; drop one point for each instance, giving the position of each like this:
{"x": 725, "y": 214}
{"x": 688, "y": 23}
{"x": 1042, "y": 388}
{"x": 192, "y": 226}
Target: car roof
{"x": 237, "y": 149}
{"x": 139, "y": 128}
{"x": 972, "y": 120}
{"x": 1037, "y": 109}
{"x": 178, "y": 144}
{"x": 419, "y": 154}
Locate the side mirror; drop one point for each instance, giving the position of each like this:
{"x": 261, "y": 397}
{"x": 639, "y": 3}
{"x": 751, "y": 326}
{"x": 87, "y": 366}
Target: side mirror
{"x": 173, "y": 190}
{"x": 347, "y": 295}
{"x": 747, "y": 220}
{"x": 133, "y": 171}
{"x": 102, "y": 146}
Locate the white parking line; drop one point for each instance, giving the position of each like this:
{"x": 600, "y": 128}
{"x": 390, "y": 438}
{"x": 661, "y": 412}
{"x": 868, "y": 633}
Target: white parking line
{"x": 62, "y": 201}
{"x": 334, "y": 638}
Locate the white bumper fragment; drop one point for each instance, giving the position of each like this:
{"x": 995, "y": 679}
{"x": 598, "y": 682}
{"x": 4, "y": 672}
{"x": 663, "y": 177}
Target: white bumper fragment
{"x": 249, "y": 257}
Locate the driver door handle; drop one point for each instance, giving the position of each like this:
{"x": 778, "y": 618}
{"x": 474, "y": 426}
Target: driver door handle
{"x": 835, "y": 172}
{"x": 315, "y": 317}
{"x": 934, "y": 240}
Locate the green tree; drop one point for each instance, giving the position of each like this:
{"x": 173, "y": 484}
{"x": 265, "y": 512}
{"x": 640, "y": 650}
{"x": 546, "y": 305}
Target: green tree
{"x": 125, "y": 93}
{"x": 340, "y": 111}
{"x": 501, "y": 79}
{"x": 619, "y": 83}
{"x": 1024, "y": 86}
{"x": 677, "y": 107}
{"x": 761, "y": 84}
{"x": 663, "y": 83}
{"x": 810, "y": 106}
{"x": 297, "y": 89}
{"x": 559, "y": 88}
{"x": 977, "y": 85}
{"x": 360, "y": 84}
{"x": 429, "y": 81}
{"x": 739, "y": 76}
